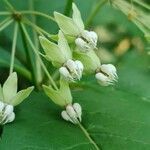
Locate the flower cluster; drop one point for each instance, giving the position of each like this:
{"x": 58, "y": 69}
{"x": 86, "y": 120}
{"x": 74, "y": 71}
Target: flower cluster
{"x": 73, "y": 59}
{"x": 9, "y": 97}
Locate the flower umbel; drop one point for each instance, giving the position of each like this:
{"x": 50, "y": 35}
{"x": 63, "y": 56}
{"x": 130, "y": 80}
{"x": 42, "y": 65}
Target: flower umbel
{"x": 107, "y": 75}
{"x": 72, "y": 113}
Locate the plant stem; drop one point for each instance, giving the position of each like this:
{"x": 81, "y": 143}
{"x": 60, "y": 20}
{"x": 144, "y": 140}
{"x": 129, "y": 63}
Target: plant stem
{"x": 36, "y": 41}
{"x": 4, "y": 21}
{"x": 20, "y": 69}
{"x": 6, "y": 24}
{"x": 37, "y": 54}
{"x": 9, "y": 5}
{"x": 94, "y": 12}
{"x": 68, "y": 7}
{"x": 31, "y": 12}
{"x": 88, "y": 136}
{"x": 5, "y": 13}
{"x": 13, "y": 48}
{"x": 37, "y": 28}
{"x": 29, "y": 57}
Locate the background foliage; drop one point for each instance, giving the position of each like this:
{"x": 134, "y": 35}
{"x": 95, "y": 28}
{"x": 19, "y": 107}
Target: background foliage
{"x": 115, "y": 117}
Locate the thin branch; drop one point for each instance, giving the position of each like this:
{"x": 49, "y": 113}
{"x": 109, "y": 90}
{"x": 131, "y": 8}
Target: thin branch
{"x": 95, "y": 11}
{"x": 29, "y": 12}
{"x": 6, "y": 24}
{"x": 88, "y": 136}
{"x": 13, "y": 48}
{"x": 38, "y": 29}
{"x": 39, "y": 76}
{"x": 5, "y": 20}
{"x": 3, "y": 13}
{"x": 37, "y": 54}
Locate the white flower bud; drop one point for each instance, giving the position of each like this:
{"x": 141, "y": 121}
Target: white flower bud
{"x": 65, "y": 116}
{"x": 72, "y": 113}
{"x": 1, "y": 106}
{"x": 78, "y": 110}
{"x": 110, "y": 70}
{"x": 79, "y": 68}
{"x": 87, "y": 41}
{"x": 6, "y": 113}
{"x": 82, "y": 45}
{"x": 72, "y": 70}
{"x": 65, "y": 73}
{"x": 107, "y": 75}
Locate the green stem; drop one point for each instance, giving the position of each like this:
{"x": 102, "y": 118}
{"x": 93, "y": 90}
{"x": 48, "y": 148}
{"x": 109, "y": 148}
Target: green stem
{"x": 37, "y": 54}
{"x": 13, "y": 48}
{"x": 4, "y": 21}
{"x": 94, "y": 12}
{"x": 36, "y": 41}
{"x": 6, "y": 24}
{"x": 37, "y": 28}
{"x": 21, "y": 70}
{"x": 9, "y": 5}
{"x": 30, "y": 12}
{"x": 3, "y": 13}
{"x": 88, "y": 136}
{"x": 28, "y": 56}
{"x": 68, "y": 7}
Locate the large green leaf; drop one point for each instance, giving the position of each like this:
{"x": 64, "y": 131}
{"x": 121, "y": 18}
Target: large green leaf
{"x": 116, "y": 118}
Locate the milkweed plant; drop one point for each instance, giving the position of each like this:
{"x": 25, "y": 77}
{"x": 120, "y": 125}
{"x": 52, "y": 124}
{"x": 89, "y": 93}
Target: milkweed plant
{"x": 72, "y": 54}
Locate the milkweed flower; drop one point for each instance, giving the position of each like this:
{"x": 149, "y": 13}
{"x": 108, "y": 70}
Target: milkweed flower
{"x": 107, "y": 75}
{"x": 9, "y": 97}
{"x": 72, "y": 113}
{"x": 84, "y": 39}
{"x": 72, "y": 70}
{"x": 61, "y": 57}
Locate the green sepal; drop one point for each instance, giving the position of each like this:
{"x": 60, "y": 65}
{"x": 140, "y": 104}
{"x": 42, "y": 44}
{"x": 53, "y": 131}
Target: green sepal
{"x": 62, "y": 96}
{"x": 90, "y": 61}
{"x": 52, "y": 51}
{"x": 76, "y": 16}
{"x": 21, "y": 95}
{"x": 10, "y": 87}
{"x": 66, "y": 24}
{"x": 70, "y": 39}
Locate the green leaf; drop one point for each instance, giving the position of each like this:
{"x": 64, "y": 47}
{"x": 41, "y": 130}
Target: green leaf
{"x": 21, "y": 95}
{"x": 116, "y": 118}
{"x": 10, "y": 87}
{"x": 77, "y": 17}
{"x": 66, "y": 24}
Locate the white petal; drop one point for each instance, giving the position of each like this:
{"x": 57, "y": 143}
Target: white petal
{"x": 93, "y": 36}
{"x": 102, "y": 79}
{"x": 79, "y": 69}
{"x": 78, "y": 110}
{"x": 8, "y": 109}
{"x": 84, "y": 47}
{"x": 64, "y": 72}
{"x": 110, "y": 70}
{"x": 71, "y": 65}
{"x": 65, "y": 116}
{"x": 70, "y": 111}
{"x": 9, "y": 118}
{"x": 2, "y": 105}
